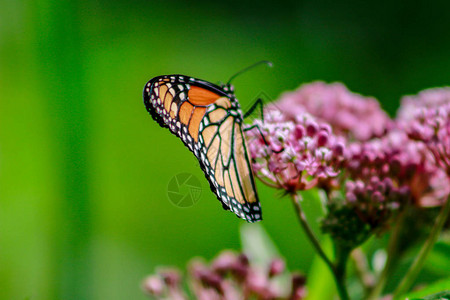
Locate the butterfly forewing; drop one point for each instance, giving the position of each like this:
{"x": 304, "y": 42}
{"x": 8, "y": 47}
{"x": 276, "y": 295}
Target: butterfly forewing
{"x": 208, "y": 120}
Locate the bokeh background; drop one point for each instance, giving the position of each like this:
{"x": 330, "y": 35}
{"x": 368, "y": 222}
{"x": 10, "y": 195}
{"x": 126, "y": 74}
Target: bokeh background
{"x": 84, "y": 170}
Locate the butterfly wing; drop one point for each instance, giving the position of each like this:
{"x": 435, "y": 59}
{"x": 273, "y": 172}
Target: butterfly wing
{"x": 210, "y": 125}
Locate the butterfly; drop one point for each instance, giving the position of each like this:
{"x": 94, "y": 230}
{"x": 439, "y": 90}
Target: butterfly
{"x": 208, "y": 119}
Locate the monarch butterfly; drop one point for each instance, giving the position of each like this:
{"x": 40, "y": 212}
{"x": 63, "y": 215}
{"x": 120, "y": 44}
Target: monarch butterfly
{"x": 208, "y": 119}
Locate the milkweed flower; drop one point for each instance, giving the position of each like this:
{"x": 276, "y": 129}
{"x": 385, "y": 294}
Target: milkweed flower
{"x": 349, "y": 114}
{"x": 229, "y": 276}
{"x": 426, "y": 118}
{"x": 381, "y": 176}
{"x": 434, "y": 98}
{"x": 294, "y": 154}
{"x": 165, "y": 285}
{"x": 370, "y": 166}
{"x": 406, "y": 162}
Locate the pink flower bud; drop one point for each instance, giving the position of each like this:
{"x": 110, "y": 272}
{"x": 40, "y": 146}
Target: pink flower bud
{"x": 153, "y": 285}
{"x": 298, "y": 281}
{"x": 224, "y": 262}
{"x": 299, "y": 131}
{"x": 338, "y": 149}
{"x": 351, "y": 198}
{"x": 377, "y": 197}
{"x": 277, "y": 266}
{"x": 311, "y": 128}
{"x": 322, "y": 138}
{"x": 171, "y": 277}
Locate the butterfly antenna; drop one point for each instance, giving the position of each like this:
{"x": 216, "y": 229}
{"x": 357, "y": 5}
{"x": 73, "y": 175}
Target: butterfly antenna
{"x": 269, "y": 63}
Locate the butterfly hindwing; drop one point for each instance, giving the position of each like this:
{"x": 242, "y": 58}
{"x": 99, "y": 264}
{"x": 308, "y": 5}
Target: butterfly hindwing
{"x": 228, "y": 161}
{"x": 209, "y": 122}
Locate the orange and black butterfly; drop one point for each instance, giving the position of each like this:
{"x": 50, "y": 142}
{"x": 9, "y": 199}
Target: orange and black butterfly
{"x": 208, "y": 119}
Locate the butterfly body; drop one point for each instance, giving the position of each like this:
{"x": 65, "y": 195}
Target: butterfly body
{"x": 208, "y": 119}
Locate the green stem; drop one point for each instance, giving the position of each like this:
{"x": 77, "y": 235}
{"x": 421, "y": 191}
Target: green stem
{"x": 338, "y": 271}
{"x": 342, "y": 255}
{"x": 417, "y": 265}
{"x": 391, "y": 258}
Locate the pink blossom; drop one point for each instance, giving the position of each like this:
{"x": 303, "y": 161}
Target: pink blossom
{"x": 230, "y": 276}
{"x": 322, "y": 135}
{"x": 434, "y": 98}
{"x": 277, "y": 266}
{"x": 153, "y": 285}
{"x": 405, "y": 162}
{"x": 354, "y": 116}
{"x": 375, "y": 200}
{"x": 426, "y": 118}
{"x": 294, "y": 154}
{"x": 165, "y": 284}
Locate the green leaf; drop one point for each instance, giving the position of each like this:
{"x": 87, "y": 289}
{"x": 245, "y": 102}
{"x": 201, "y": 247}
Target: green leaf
{"x": 261, "y": 250}
{"x": 438, "y": 259}
{"x": 445, "y": 295}
{"x": 257, "y": 244}
{"x": 436, "y": 291}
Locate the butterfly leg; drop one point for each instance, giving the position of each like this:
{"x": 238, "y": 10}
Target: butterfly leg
{"x": 255, "y": 105}
{"x": 262, "y": 136}
{"x": 258, "y": 102}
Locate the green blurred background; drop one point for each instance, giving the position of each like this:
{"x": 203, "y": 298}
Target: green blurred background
{"x": 84, "y": 212}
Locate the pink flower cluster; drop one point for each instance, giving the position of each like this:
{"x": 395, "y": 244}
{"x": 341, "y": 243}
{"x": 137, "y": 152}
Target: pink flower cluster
{"x": 349, "y": 114}
{"x": 430, "y": 99}
{"x": 326, "y": 136}
{"x": 229, "y": 276}
{"x": 375, "y": 201}
{"x": 404, "y": 161}
{"x": 426, "y": 118}
{"x": 294, "y": 154}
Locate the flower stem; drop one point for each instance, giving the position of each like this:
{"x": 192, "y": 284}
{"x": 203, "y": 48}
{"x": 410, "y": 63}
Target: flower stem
{"x": 342, "y": 255}
{"x": 338, "y": 271}
{"x": 392, "y": 252}
{"x": 417, "y": 265}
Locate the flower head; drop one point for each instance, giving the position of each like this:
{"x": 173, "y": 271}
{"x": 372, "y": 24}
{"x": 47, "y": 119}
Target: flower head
{"x": 404, "y": 162}
{"x": 370, "y": 167}
{"x": 165, "y": 284}
{"x": 229, "y": 276}
{"x": 294, "y": 154}
{"x": 434, "y": 98}
{"x": 426, "y": 118}
{"x": 354, "y": 116}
